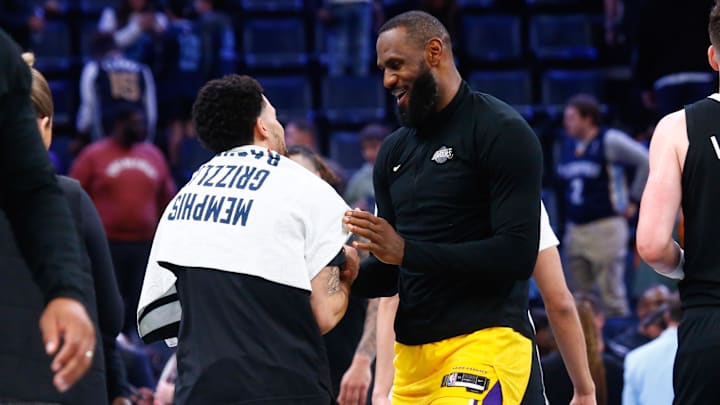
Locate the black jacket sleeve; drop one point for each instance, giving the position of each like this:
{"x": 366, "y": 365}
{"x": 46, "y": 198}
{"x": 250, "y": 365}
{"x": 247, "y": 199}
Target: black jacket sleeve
{"x": 514, "y": 160}
{"x": 378, "y": 279}
{"x": 29, "y": 194}
{"x": 109, "y": 301}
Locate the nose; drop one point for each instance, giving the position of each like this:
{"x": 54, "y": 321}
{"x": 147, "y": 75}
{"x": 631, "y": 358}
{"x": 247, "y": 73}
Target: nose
{"x": 389, "y": 79}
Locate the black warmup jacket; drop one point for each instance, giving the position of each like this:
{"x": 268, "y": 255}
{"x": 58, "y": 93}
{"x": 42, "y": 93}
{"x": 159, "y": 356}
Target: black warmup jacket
{"x": 464, "y": 193}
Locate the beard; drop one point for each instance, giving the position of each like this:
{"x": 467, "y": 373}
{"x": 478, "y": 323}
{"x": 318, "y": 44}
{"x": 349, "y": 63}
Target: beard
{"x": 422, "y": 100}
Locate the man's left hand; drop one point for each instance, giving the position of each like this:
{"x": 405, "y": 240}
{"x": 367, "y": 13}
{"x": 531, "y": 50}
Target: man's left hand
{"x": 383, "y": 241}
{"x": 356, "y": 382}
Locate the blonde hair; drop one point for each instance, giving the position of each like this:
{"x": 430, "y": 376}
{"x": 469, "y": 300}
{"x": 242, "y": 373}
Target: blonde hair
{"x": 586, "y": 307}
{"x": 40, "y": 95}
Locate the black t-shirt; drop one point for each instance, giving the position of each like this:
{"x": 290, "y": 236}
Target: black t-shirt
{"x": 246, "y": 340}
{"x": 464, "y": 193}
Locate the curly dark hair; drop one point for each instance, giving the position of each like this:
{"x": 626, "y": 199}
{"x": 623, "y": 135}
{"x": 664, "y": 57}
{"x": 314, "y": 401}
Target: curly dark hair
{"x": 226, "y": 110}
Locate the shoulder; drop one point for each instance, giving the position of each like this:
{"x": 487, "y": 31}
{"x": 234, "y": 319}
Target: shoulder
{"x": 614, "y": 133}
{"x": 487, "y": 104}
{"x": 670, "y": 130}
{"x": 151, "y": 150}
{"x": 496, "y": 116}
{"x": 69, "y": 184}
{"x": 93, "y": 149}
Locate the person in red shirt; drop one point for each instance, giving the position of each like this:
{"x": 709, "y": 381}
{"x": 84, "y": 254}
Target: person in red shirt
{"x": 129, "y": 181}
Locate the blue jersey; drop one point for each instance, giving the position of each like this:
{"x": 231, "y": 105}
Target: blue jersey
{"x": 183, "y": 61}
{"x": 111, "y": 80}
{"x": 593, "y": 185}
{"x": 121, "y": 80}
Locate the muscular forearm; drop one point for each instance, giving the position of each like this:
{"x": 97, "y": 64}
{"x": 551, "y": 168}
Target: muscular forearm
{"x": 329, "y": 298}
{"x": 664, "y": 259}
{"x": 565, "y": 325}
{"x": 366, "y": 347}
{"x": 384, "y": 369}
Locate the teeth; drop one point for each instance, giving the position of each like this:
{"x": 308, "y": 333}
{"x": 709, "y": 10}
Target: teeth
{"x": 399, "y": 93}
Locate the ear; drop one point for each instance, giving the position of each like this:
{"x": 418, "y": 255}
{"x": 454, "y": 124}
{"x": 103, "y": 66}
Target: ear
{"x": 45, "y": 122}
{"x": 711, "y": 58}
{"x": 260, "y": 132}
{"x": 434, "y": 51}
{"x": 46, "y": 131}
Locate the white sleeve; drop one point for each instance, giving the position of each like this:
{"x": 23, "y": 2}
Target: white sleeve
{"x": 128, "y": 34}
{"x": 88, "y": 99}
{"x": 547, "y": 235}
{"x": 323, "y": 211}
{"x": 108, "y": 21}
{"x": 150, "y": 102}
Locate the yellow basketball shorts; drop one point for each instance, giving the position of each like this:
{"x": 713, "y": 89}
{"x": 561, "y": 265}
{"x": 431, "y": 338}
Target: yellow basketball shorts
{"x": 488, "y": 367}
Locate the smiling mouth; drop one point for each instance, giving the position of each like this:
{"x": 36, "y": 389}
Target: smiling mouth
{"x": 400, "y": 95}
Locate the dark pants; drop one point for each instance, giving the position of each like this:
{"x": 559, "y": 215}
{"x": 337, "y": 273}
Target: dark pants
{"x": 696, "y": 373}
{"x": 130, "y": 260}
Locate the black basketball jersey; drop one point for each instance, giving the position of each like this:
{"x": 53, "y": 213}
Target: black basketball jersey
{"x": 701, "y": 205}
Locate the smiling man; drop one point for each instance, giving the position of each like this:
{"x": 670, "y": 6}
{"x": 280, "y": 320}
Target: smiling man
{"x": 456, "y": 235}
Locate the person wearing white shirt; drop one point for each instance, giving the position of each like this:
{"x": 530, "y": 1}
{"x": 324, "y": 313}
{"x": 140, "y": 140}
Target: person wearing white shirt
{"x": 649, "y": 368}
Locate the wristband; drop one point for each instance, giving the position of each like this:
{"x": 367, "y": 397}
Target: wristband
{"x": 678, "y": 272}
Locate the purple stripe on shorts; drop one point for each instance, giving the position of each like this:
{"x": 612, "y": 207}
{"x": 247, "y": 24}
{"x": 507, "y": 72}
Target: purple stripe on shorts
{"x": 494, "y": 397}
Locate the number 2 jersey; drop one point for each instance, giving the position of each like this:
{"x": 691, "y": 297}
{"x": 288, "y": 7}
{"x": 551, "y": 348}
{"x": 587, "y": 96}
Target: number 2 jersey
{"x": 595, "y": 177}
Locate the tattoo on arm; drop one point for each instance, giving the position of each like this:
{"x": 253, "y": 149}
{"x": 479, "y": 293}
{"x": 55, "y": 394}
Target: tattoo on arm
{"x": 333, "y": 280}
{"x": 367, "y": 344}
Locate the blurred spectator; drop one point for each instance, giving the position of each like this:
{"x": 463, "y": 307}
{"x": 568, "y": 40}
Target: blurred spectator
{"x": 180, "y": 69}
{"x": 348, "y": 25}
{"x": 165, "y": 390}
{"x": 607, "y": 373}
{"x": 26, "y": 19}
{"x": 133, "y": 24}
{"x": 108, "y": 79}
{"x": 543, "y": 334}
{"x": 302, "y": 132}
{"x": 649, "y": 368}
{"x": 218, "y": 40}
{"x": 597, "y": 204}
{"x": 139, "y": 371}
{"x": 671, "y": 65}
{"x": 307, "y": 158}
{"x": 646, "y": 328}
{"x": 359, "y": 192}
{"x": 130, "y": 184}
